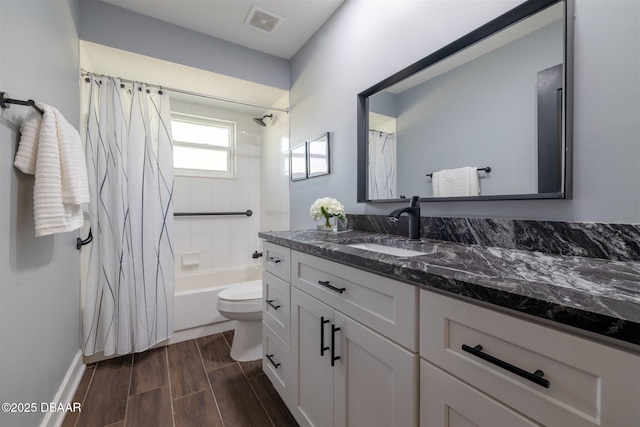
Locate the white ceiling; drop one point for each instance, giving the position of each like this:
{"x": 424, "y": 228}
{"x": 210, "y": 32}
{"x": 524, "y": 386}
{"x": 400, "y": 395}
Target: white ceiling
{"x": 225, "y": 19}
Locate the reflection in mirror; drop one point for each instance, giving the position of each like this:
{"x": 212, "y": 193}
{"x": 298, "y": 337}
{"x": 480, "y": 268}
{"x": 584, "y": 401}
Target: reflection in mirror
{"x": 498, "y": 102}
{"x": 318, "y": 155}
{"x": 298, "y": 162}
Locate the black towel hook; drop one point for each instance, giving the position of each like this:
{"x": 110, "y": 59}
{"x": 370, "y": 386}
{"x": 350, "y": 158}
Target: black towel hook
{"x": 80, "y": 243}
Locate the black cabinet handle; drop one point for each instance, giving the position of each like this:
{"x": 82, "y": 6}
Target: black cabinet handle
{"x": 270, "y": 302}
{"x": 536, "y": 377}
{"x": 333, "y": 288}
{"x": 273, "y": 260}
{"x": 270, "y": 357}
{"x": 333, "y": 345}
{"x": 322, "y": 346}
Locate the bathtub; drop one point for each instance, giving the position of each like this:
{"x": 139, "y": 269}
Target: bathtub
{"x": 196, "y": 297}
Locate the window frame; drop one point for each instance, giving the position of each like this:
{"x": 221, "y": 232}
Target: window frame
{"x": 230, "y": 173}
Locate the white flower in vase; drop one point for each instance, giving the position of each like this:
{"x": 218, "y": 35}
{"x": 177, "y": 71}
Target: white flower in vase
{"x": 327, "y": 207}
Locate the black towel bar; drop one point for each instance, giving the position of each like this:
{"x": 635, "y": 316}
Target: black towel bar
{"x": 487, "y": 170}
{"x": 4, "y": 100}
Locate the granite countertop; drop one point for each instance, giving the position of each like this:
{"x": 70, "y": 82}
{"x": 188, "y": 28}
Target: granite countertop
{"x": 595, "y": 295}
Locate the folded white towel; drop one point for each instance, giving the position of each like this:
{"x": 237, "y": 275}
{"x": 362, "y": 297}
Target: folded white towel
{"x": 456, "y": 182}
{"x": 50, "y": 148}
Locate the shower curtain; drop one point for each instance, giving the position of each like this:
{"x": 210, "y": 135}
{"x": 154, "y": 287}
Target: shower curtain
{"x": 382, "y": 165}
{"x": 129, "y": 296}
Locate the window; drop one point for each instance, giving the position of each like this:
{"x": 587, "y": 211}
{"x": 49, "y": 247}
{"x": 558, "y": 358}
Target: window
{"x": 203, "y": 146}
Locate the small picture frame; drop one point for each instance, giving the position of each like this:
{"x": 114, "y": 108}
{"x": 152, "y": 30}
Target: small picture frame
{"x": 318, "y": 159}
{"x": 298, "y": 162}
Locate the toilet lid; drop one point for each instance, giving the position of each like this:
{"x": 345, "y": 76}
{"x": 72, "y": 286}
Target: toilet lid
{"x": 248, "y": 292}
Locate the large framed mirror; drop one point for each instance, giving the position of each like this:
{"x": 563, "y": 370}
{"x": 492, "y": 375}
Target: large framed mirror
{"x": 494, "y": 107}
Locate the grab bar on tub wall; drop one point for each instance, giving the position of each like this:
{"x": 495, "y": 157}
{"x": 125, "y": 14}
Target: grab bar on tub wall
{"x": 248, "y": 212}
{"x": 80, "y": 243}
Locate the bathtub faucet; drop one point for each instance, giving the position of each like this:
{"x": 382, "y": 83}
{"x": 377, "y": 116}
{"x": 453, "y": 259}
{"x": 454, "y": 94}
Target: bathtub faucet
{"x": 256, "y": 255}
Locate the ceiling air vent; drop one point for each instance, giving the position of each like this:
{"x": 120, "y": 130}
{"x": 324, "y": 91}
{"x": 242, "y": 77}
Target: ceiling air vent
{"x": 263, "y": 20}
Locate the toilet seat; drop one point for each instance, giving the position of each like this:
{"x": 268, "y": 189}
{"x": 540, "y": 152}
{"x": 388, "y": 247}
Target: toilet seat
{"x": 241, "y": 299}
{"x": 242, "y": 293}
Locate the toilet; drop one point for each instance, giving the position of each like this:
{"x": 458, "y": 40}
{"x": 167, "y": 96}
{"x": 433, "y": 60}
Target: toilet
{"x": 243, "y": 303}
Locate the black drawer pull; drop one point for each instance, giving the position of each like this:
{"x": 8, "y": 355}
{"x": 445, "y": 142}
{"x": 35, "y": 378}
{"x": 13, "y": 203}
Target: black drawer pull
{"x": 333, "y": 345}
{"x": 270, "y": 357}
{"x": 536, "y": 377}
{"x": 270, "y": 302}
{"x": 333, "y": 288}
{"x": 322, "y": 346}
{"x": 273, "y": 260}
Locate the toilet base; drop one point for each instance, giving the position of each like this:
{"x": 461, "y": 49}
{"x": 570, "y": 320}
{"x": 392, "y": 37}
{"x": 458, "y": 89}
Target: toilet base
{"x": 247, "y": 341}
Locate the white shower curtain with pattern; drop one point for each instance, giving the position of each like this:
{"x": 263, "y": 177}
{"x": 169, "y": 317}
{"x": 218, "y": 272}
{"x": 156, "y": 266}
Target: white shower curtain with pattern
{"x": 129, "y": 295}
{"x": 382, "y": 165}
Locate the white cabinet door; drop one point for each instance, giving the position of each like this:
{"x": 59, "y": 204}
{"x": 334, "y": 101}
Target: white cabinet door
{"x": 375, "y": 380}
{"x": 312, "y": 379}
{"x": 446, "y": 401}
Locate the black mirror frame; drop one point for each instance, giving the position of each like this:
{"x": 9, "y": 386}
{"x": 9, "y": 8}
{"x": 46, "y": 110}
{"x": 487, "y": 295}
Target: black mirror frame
{"x": 512, "y": 16}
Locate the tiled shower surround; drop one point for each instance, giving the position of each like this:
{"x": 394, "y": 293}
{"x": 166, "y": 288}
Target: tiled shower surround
{"x": 618, "y": 242}
{"x": 220, "y": 241}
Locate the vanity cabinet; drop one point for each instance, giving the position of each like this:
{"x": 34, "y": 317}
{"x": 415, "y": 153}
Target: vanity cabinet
{"x": 347, "y": 347}
{"x": 349, "y": 374}
{"x": 482, "y": 367}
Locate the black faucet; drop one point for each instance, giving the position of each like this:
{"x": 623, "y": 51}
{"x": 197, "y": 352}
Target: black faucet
{"x": 414, "y": 217}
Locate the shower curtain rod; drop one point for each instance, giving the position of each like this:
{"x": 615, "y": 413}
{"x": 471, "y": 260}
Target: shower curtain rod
{"x": 201, "y": 95}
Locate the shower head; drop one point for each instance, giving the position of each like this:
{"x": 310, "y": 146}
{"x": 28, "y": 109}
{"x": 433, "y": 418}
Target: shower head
{"x": 260, "y": 120}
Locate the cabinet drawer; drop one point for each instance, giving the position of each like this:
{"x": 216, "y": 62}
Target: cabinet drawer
{"x": 385, "y": 305}
{"x": 277, "y": 260}
{"x": 276, "y": 361}
{"x": 586, "y": 379}
{"x": 276, "y": 305}
{"x": 446, "y": 401}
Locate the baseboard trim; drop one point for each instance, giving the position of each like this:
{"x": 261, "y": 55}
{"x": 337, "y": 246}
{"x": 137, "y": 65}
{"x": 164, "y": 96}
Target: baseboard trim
{"x": 66, "y": 392}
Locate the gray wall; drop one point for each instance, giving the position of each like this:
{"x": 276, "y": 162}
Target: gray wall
{"x": 385, "y": 103}
{"x": 364, "y": 42}
{"x": 39, "y": 277}
{"x": 482, "y": 113}
{"x": 120, "y": 28}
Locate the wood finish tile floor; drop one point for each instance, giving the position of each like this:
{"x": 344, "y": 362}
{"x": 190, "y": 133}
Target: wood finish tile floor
{"x": 189, "y": 384}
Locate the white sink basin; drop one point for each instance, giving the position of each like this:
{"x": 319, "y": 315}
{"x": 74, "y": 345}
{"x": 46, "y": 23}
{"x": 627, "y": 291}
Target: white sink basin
{"x": 389, "y": 250}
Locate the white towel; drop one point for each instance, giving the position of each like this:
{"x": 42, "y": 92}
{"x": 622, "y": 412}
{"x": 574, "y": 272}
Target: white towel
{"x": 456, "y": 182}
{"x": 50, "y": 149}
